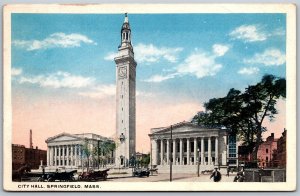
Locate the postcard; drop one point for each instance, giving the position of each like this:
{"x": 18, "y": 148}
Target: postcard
{"x": 149, "y": 97}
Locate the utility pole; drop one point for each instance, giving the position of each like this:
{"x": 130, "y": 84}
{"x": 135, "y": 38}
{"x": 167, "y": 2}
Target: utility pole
{"x": 169, "y": 157}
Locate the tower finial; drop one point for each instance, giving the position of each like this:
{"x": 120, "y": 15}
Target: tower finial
{"x": 126, "y": 18}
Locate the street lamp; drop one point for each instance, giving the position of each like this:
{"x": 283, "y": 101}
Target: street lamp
{"x": 198, "y": 166}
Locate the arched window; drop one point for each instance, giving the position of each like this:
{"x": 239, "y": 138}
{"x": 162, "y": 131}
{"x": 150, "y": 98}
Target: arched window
{"x": 126, "y": 36}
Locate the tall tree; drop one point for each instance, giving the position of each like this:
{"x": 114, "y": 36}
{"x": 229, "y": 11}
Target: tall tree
{"x": 244, "y": 113}
{"x": 260, "y": 101}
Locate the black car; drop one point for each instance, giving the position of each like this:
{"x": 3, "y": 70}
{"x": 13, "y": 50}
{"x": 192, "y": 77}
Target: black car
{"x": 140, "y": 172}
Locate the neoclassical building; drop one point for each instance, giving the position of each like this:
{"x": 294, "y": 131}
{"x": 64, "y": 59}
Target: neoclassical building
{"x": 67, "y": 151}
{"x": 190, "y": 143}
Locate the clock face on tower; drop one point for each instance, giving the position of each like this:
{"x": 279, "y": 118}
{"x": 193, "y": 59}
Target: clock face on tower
{"x": 122, "y": 72}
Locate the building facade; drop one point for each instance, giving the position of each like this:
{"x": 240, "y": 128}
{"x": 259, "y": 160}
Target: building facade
{"x": 125, "y": 97}
{"x": 281, "y": 150}
{"x": 18, "y": 156}
{"x": 266, "y": 152}
{"x": 190, "y": 143}
{"x": 21, "y": 155}
{"x": 77, "y": 151}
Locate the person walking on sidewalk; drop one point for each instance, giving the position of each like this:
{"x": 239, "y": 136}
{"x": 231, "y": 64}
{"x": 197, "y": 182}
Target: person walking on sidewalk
{"x": 216, "y": 175}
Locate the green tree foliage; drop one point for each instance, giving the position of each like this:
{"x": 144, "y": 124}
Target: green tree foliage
{"x": 106, "y": 147}
{"x": 87, "y": 151}
{"x": 244, "y": 113}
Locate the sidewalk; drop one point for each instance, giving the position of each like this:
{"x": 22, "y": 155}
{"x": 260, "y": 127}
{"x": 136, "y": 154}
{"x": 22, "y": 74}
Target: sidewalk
{"x": 166, "y": 178}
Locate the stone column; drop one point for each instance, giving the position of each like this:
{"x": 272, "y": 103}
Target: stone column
{"x": 72, "y": 156}
{"x": 152, "y": 152}
{"x": 51, "y": 156}
{"x": 188, "y": 150}
{"x": 59, "y": 155}
{"x": 48, "y": 156}
{"x": 155, "y": 150}
{"x": 161, "y": 152}
{"x": 168, "y": 151}
{"x": 174, "y": 151}
{"x": 56, "y": 155}
{"x": 209, "y": 151}
{"x": 180, "y": 153}
{"x": 67, "y": 155}
{"x": 216, "y": 151}
{"x": 202, "y": 151}
{"x": 195, "y": 151}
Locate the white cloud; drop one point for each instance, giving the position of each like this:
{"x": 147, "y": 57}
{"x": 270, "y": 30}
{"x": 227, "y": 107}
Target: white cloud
{"x": 55, "y": 40}
{"x": 270, "y": 57}
{"x": 150, "y": 53}
{"x": 160, "y": 78}
{"x": 16, "y": 71}
{"x": 249, "y": 33}
{"x": 199, "y": 64}
{"x": 58, "y": 80}
{"x": 110, "y": 56}
{"x": 219, "y": 49}
{"x": 248, "y": 70}
{"x": 100, "y": 92}
{"x": 144, "y": 94}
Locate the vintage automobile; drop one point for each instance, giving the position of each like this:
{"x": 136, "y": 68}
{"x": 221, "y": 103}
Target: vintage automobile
{"x": 93, "y": 175}
{"x": 61, "y": 176}
{"x": 140, "y": 172}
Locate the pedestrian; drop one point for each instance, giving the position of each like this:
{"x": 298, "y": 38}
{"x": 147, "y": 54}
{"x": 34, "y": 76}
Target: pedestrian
{"x": 228, "y": 170}
{"x": 240, "y": 176}
{"x": 216, "y": 175}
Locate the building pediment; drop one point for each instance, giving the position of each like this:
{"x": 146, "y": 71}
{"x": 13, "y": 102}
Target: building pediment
{"x": 183, "y": 128}
{"x": 63, "y": 137}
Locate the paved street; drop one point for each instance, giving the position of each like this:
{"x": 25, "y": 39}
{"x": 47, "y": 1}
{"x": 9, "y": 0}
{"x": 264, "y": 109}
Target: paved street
{"x": 166, "y": 177}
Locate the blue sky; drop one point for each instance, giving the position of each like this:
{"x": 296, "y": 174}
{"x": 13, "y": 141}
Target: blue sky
{"x": 163, "y": 44}
{"x": 181, "y": 57}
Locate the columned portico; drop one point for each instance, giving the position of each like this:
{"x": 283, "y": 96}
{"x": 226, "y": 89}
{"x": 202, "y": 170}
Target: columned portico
{"x": 65, "y": 150}
{"x": 189, "y": 144}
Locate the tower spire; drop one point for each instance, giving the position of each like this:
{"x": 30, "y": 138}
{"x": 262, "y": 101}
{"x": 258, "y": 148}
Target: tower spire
{"x": 126, "y": 18}
{"x": 126, "y": 33}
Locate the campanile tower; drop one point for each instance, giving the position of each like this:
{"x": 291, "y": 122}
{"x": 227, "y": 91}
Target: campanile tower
{"x": 125, "y": 97}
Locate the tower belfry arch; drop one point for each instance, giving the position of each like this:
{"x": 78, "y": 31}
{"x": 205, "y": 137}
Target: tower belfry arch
{"x": 125, "y": 97}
